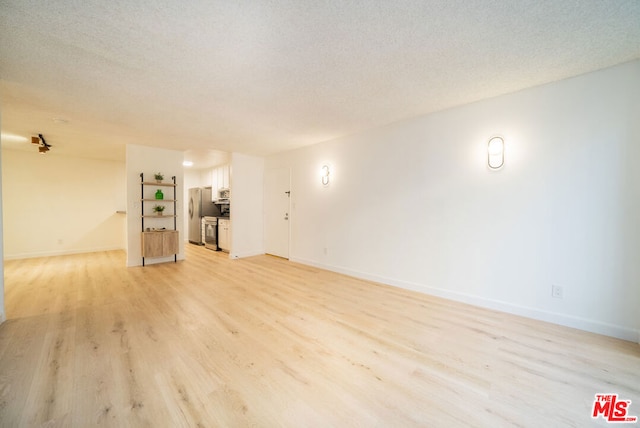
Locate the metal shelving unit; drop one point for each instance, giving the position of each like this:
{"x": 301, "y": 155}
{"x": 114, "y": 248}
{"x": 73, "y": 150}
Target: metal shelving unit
{"x": 143, "y": 216}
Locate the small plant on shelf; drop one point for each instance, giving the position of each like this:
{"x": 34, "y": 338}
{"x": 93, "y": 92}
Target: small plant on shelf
{"x": 158, "y": 209}
{"x": 159, "y": 177}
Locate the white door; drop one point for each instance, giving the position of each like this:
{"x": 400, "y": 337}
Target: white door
{"x": 277, "y": 211}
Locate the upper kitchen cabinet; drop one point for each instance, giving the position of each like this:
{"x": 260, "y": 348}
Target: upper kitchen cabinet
{"x": 220, "y": 172}
{"x": 223, "y": 177}
{"x": 214, "y": 184}
{"x": 219, "y": 179}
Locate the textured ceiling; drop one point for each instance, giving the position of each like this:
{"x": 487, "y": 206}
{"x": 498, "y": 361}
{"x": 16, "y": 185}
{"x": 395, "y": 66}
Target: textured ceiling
{"x": 265, "y": 76}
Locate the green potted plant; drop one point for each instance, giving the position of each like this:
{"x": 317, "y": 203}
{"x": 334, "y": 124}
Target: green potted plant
{"x": 159, "y": 177}
{"x": 158, "y": 209}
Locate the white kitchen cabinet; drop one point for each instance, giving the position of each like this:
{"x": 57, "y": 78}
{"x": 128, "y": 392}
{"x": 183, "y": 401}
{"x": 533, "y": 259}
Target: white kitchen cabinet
{"x": 214, "y": 184}
{"x": 224, "y": 234}
{"x": 220, "y": 175}
{"x": 225, "y": 176}
{"x": 220, "y": 179}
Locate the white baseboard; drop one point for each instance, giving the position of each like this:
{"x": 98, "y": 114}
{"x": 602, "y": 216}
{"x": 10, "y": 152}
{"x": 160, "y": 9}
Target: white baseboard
{"x": 592, "y": 326}
{"x": 37, "y": 254}
{"x": 244, "y": 254}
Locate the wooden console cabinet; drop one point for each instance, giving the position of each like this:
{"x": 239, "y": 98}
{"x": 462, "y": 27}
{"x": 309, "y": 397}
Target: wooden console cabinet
{"x": 159, "y": 244}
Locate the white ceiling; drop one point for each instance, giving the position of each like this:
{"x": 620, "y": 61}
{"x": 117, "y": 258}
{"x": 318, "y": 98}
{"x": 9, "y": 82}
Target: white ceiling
{"x": 265, "y": 76}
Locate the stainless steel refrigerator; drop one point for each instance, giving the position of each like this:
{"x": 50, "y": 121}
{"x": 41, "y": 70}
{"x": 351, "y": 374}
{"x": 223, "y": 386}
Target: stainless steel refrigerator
{"x": 200, "y": 205}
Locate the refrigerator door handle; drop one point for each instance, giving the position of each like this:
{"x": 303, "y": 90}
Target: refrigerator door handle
{"x": 190, "y": 207}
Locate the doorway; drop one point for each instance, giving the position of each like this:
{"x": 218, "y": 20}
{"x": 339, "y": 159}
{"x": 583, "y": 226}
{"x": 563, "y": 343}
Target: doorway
{"x": 277, "y": 211}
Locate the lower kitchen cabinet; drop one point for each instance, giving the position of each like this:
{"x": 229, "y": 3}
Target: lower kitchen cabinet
{"x": 224, "y": 234}
{"x": 160, "y": 244}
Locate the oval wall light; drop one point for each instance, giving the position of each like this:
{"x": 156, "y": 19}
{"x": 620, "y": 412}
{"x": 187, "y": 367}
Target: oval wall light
{"x": 325, "y": 175}
{"x": 495, "y": 153}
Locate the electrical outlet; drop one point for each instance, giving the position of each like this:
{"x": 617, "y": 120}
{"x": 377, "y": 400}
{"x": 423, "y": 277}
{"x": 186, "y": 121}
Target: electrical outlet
{"x": 556, "y": 292}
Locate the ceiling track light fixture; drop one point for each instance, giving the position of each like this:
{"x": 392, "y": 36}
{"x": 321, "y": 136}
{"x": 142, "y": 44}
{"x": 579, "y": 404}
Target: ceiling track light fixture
{"x": 39, "y": 140}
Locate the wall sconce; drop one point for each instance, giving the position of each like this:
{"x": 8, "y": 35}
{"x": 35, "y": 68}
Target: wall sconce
{"x": 325, "y": 175}
{"x": 495, "y": 153}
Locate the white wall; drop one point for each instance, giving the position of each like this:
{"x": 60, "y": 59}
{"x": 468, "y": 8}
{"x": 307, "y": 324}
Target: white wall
{"x": 413, "y": 204}
{"x": 247, "y": 188}
{"x": 149, "y": 160}
{"x": 61, "y": 205}
{"x": 3, "y": 316}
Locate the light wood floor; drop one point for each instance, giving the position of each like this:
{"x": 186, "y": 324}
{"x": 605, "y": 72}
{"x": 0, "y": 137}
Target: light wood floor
{"x": 265, "y": 342}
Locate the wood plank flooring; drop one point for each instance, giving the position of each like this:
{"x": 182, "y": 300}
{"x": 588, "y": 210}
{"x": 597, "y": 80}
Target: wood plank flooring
{"x": 263, "y": 342}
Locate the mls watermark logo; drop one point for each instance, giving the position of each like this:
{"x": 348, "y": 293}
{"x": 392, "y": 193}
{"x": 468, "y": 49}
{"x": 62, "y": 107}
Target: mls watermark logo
{"x": 612, "y": 409}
